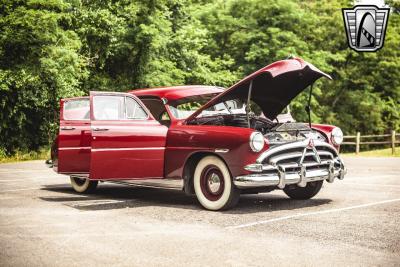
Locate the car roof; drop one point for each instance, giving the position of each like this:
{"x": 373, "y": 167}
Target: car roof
{"x": 172, "y": 93}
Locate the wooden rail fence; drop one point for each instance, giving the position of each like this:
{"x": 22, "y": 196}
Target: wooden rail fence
{"x": 390, "y": 140}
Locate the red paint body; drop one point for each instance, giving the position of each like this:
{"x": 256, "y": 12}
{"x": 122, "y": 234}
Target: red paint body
{"x": 326, "y": 130}
{"x": 185, "y": 140}
{"x": 74, "y": 143}
{"x": 145, "y": 149}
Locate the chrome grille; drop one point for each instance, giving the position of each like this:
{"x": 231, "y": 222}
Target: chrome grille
{"x": 298, "y": 153}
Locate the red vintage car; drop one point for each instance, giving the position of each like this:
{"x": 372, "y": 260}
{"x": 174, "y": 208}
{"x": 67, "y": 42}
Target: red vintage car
{"x": 204, "y": 140}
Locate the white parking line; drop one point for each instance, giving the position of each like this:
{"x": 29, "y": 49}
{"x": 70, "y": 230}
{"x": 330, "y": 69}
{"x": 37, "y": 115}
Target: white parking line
{"x": 83, "y": 204}
{"x": 12, "y": 180}
{"x": 312, "y": 213}
{"x": 23, "y": 179}
{"x": 369, "y": 176}
{"x": 8, "y": 171}
{"x": 20, "y": 189}
{"x": 384, "y": 185}
{"x": 30, "y": 188}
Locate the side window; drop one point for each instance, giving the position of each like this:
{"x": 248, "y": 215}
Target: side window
{"x": 134, "y": 110}
{"x": 106, "y": 107}
{"x": 76, "y": 109}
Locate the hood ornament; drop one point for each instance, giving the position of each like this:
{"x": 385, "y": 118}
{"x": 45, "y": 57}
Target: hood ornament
{"x": 310, "y": 146}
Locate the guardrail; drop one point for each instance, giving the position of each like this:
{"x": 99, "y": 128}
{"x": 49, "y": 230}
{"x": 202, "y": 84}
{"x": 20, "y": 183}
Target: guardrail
{"x": 392, "y": 140}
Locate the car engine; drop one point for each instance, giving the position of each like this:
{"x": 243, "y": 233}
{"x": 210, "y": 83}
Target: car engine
{"x": 274, "y": 132}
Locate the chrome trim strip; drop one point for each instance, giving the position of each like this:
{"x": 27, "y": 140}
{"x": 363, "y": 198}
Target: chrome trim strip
{"x": 112, "y": 149}
{"x": 79, "y": 175}
{"x": 74, "y": 148}
{"x": 221, "y": 150}
{"x": 128, "y": 149}
{"x": 174, "y": 184}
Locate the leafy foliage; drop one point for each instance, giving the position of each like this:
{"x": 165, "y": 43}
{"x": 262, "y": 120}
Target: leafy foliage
{"x": 62, "y": 48}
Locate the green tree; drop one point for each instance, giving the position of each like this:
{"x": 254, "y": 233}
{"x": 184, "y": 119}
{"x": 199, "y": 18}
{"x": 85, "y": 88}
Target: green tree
{"x": 39, "y": 63}
{"x": 62, "y": 48}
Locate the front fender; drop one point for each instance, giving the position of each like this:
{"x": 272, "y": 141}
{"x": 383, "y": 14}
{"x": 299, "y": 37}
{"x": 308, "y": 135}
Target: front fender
{"x": 229, "y": 143}
{"x": 326, "y": 130}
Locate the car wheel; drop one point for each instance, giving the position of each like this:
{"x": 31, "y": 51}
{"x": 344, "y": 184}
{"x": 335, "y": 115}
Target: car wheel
{"x": 83, "y": 185}
{"x": 307, "y": 192}
{"x": 213, "y": 184}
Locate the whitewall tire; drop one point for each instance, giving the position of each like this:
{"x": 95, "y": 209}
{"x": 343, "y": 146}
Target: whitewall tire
{"x": 213, "y": 184}
{"x": 83, "y": 185}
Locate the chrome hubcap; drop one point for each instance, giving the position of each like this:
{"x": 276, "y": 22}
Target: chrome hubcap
{"x": 214, "y": 183}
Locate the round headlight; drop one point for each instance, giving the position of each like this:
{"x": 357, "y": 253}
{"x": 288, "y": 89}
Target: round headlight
{"x": 337, "y": 136}
{"x": 256, "y": 141}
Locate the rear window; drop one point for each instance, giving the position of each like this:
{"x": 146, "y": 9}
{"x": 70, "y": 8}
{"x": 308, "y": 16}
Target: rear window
{"x": 77, "y": 109}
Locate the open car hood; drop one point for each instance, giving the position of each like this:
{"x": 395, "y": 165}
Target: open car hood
{"x": 274, "y": 86}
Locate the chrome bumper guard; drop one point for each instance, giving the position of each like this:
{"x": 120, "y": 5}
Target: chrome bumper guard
{"x": 328, "y": 170}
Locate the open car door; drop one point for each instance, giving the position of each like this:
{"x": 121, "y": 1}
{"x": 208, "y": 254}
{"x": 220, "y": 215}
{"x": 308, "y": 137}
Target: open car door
{"x": 74, "y": 136}
{"x": 127, "y": 142}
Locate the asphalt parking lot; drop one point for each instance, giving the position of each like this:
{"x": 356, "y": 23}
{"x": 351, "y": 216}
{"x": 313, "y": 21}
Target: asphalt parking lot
{"x": 351, "y": 222}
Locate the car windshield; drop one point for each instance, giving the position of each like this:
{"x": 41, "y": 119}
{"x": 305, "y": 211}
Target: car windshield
{"x": 185, "y": 107}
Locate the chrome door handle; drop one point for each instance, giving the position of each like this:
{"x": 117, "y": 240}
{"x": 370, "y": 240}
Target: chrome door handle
{"x": 100, "y": 129}
{"x": 67, "y": 128}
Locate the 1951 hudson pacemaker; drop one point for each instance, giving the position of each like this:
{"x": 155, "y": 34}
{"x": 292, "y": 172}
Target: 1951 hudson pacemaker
{"x": 205, "y": 140}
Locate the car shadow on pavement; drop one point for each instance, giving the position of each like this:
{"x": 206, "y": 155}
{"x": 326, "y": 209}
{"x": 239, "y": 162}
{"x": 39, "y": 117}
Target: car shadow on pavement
{"x": 108, "y": 197}
{"x": 273, "y": 202}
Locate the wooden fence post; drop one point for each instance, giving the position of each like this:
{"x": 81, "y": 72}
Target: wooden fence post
{"x": 393, "y": 142}
{"x": 358, "y": 137}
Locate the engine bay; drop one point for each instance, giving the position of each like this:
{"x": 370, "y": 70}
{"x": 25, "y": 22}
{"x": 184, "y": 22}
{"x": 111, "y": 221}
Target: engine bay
{"x": 274, "y": 132}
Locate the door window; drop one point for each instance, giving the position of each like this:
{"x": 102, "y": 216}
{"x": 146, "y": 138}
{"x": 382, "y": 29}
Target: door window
{"x": 107, "y": 107}
{"x": 134, "y": 110}
{"x": 76, "y": 109}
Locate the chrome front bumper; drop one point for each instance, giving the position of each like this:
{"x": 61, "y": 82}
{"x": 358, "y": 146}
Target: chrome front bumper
{"x": 282, "y": 178}
{"x": 299, "y": 173}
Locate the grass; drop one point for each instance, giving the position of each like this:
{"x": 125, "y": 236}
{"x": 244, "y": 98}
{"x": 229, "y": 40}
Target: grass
{"x": 43, "y": 154}
{"x": 386, "y": 152}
